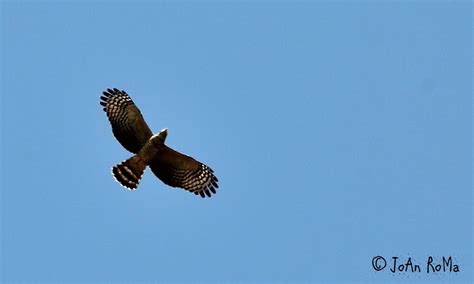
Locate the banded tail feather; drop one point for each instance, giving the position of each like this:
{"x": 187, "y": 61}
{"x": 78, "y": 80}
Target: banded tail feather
{"x": 129, "y": 172}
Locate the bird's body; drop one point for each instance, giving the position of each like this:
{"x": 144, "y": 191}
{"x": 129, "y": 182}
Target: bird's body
{"x": 173, "y": 168}
{"x": 153, "y": 147}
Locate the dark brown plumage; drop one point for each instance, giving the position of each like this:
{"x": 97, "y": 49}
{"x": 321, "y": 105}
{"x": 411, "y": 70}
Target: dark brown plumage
{"x": 170, "y": 166}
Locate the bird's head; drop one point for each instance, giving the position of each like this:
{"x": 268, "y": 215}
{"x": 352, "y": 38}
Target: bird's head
{"x": 160, "y": 137}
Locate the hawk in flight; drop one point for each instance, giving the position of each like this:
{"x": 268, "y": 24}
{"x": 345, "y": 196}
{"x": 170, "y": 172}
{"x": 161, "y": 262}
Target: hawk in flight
{"x": 170, "y": 166}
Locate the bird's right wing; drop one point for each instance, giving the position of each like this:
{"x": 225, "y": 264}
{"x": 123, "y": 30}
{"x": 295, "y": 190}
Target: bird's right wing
{"x": 127, "y": 122}
{"x": 178, "y": 170}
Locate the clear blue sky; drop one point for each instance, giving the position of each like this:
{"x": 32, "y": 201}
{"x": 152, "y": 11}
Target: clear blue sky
{"x": 339, "y": 132}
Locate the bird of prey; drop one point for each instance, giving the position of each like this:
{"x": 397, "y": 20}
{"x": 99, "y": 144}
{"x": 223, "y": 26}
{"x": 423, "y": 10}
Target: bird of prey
{"x": 170, "y": 166}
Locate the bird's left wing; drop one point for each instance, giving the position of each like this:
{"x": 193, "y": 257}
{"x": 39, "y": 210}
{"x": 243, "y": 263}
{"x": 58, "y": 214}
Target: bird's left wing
{"x": 127, "y": 122}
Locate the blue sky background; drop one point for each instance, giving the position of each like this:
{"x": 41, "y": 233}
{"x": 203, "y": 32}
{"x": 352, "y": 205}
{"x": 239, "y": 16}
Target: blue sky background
{"x": 339, "y": 132}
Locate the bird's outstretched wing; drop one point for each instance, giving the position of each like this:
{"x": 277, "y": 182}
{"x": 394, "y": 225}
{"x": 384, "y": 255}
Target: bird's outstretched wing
{"x": 178, "y": 170}
{"x": 127, "y": 122}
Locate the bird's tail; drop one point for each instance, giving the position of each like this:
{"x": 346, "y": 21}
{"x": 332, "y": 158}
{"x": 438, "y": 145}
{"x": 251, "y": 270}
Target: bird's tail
{"x": 129, "y": 172}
